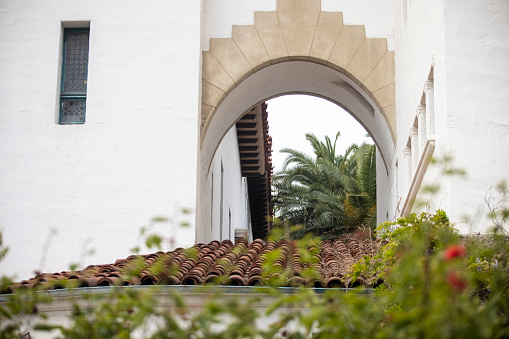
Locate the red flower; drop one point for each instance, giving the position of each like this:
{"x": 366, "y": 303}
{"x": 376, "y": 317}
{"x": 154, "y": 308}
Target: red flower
{"x": 457, "y": 283}
{"x": 455, "y": 251}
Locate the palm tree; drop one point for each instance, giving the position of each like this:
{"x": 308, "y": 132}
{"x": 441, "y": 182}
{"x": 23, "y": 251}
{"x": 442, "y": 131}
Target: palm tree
{"x": 328, "y": 194}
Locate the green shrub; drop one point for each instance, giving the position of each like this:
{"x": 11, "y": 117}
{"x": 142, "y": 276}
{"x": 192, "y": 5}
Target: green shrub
{"x": 437, "y": 284}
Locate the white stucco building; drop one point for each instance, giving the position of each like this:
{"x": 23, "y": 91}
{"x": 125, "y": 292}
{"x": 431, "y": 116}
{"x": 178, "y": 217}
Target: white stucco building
{"x": 167, "y": 80}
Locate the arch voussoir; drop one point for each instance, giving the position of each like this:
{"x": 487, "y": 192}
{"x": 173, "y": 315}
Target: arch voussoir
{"x": 349, "y": 40}
{"x": 206, "y": 112}
{"x": 382, "y": 75}
{"x": 385, "y": 96}
{"x": 249, "y": 42}
{"x": 231, "y": 58}
{"x": 299, "y": 30}
{"x": 380, "y": 83}
{"x": 368, "y": 55}
{"x": 389, "y": 114}
{"x": 298, "y": 21}
{"x": 214, "y": 73}
{"x": 327, "y": 31}
{"x": 211, "y": 95}
{"x": 269, "y": 29}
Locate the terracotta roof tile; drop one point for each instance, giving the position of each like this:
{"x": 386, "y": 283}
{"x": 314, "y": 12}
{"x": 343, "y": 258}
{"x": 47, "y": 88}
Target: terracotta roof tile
{"x": 239, "y": 264}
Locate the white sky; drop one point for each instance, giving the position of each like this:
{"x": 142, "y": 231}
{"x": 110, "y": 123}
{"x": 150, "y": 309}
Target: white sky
{"x": 292, "y": 116}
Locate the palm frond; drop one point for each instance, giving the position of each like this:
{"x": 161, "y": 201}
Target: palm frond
{"x": 328, "y": 194}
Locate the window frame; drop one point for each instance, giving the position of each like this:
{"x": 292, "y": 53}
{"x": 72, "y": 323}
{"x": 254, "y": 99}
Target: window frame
{"x": 72, "y": 96}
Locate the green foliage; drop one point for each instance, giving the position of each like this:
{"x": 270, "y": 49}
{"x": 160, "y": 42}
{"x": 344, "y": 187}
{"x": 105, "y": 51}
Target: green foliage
{"x": 153, "y": 241}
{"x": 22, "y": 306}
{"x": 431, "y": 283}
{"x": 16, "y": 313}
{"x": 497, "y": 200}
{"x": 329, "y": 194}
{"x": 436, "y": 285}
{"x": 114, "y": 315}
{"x": 397, "y": 237}
{"x": 3, "y": 249}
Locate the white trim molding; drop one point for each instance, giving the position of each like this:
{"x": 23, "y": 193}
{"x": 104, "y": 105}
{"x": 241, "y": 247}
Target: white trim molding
{"x": 419, "y": 172}
{"x": 241, "y": 233}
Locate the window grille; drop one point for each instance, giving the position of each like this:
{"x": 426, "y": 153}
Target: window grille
{"x": 73, "y": 93}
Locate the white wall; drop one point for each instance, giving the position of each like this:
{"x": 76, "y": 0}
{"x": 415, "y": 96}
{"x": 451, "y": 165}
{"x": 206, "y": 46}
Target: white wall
{"x": 376, "y": 15}
{"x": 477, "y": 70}
{"x": 467, "y": 42}
{"x": 233, "y": 198}
{"x": 419, "y": 47}
{"x": 59, "y": 311}
{"x": 136, "y": 155}
{"x": 309, "y": 78}
{"x": 133, "y": 159}
{"x": 220, "y": 15}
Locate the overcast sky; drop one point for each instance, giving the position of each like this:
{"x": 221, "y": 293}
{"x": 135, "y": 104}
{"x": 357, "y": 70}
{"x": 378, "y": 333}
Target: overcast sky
{"x": 292, "y": 116}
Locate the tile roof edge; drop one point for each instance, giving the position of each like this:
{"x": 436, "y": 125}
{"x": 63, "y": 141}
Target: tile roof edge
{"x": 188, "y": 289}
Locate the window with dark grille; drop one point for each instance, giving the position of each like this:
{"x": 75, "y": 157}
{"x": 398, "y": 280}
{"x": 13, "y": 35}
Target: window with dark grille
{"x": 73, "y": 92}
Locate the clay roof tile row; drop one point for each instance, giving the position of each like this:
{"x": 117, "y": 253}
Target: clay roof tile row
{"x": 242, "y": 264}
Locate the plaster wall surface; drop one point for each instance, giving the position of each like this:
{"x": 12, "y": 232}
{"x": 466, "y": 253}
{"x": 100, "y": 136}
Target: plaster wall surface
{"x": 310, "y": 78}
{"x": 419, "y": 49}
{"x": 66, "y": 189}
{"x": 385, "y": 190}
{"x": 96, "y": 184}
{"x": 195, "y": 298}
{"x": 465, "y": 43}
{"x": 477, "y": 71}
{"x": 220, "y": 15}
{"x": 226, "y": 164}
{"x": 378, "y": 18}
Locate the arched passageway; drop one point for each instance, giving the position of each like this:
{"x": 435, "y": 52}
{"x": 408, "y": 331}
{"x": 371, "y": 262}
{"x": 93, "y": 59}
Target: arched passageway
{"x": 304, "y": 78}
{"x": 299, "y": 49}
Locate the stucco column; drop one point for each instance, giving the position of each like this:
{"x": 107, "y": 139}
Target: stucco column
{"x": 421, "y": 120}
{"x": 430, "y": 109}
{"x": 407, "y": 153}
{"x": 414, "y": 145}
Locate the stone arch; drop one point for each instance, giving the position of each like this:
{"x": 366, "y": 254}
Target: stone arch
{"x": 297, "y": 77}
{"x": 299, "y": 49}
{"x": 299, "y": 31}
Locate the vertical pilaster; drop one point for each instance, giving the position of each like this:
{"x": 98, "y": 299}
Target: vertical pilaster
{"x": 421, "y": 125}
{"x": 407, "y": 153}
{"x": 430, "y": 109}
{"x": 414, "y": 145}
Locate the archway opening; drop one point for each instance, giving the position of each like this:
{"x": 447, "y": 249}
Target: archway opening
{"x": 290, "y": 77}
{"x": 324, "y": 169}
{"x": 289, "y": 121}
